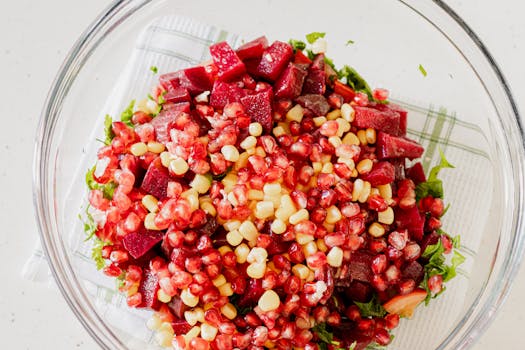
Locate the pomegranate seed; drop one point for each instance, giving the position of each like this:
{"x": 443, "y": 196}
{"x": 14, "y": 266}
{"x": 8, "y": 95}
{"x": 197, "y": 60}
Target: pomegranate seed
{"x": 381, "y": 336}
{"x": 252, "y": 319}
{"x": 229, "y": 260}
{"x": 260, "y": 336}
{"x": 342, "y": 170}
{"x": 437, "y": 208}
{"x": 361, "y": 99}
{"x": 258, "y": 164}
{"x": 435, "y": 283}
{"x": 335, "y": 239}
{"x": 97, "y": 200}
{"x": 447, "y": 243}
{"x": 325, "y": 181}
{"x": 393, "y": 253}
{"x": 282, "y": 263}
{"x": 329, "y": 128}
{"x": 300, "y": 150}
{"x": 134, "y": 300}
{"x": 392, "y": 274}
{"x": 380, "y": 94}
{"x": 379, "y": 264}
{"x": 398, "y": 239}
{"x": 223, "y": 342}
{"x": 328, "y": 198}
{"x": 353, "y": 313}
{"x": 350, "y": 209}
{"x": 412, "y": 251}
{"x": 348, "y": 151}
{"x": 198, "y": 343}
{"x": 193, "y": 264}
{"x": 299, "y": 198}
{"x": 391, "y": 321}
{"x": 379, "y": 283}
{"x": 241, "y": 341}
{"x": 296, "y": 253}
{"x": 318, "y": 215}
{"x": 365, "y": 324}
{"x": 334, "y": 319}
{"x": 406, "y": 286}
{"x": 213, "y": 317}
{"x": 377, "y": 203}
{"x": 112, "y": 271}
{"x": 316, "y": 260}
{"x": 181, "y": 279}
{"x": 433, "y": 224}
{"x": 377, "y": 245}
{"x": 227, "y": 328}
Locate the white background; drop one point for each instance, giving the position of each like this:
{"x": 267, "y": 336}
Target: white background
{"x": 34, "y": 39}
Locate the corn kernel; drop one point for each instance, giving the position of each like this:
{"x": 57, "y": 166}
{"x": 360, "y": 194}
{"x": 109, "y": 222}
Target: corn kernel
{"x": 264, "y": 210}
{"x": 272, "y": 189}
{"x": 328, "y": 168}
{"x": 248, "y": 230}
{"x": 296, "y": 114}
{"x": 310, "y": 248}
{"x": 231, "y": 225}
{"x": 226, "y": 290}
{"x": 385, "y": 191}
{"x": 164, "y": 338}
{"x": 154, "y": 322}
{"x": 179, "y": 166}
{"x": 194, "y": 316}
{"x": 334, "y": 257}
{"x": 163, "y": 297}
{"x": 209, "y": 208}
{"x": 364, "y": 166}
{"x": 150, "y": 203}
{"x": 257, "y": 255}
{"x": 149, "y": 222}
{"x": 343, "y": 126}
{"x": 349, "y": 162}
{"x": 299, "y": 216}
{"x": 321, "y": 245}
{"x": 278, "y": 226}
{"x": 219, "y": 281}
{"x": 301, "y": 271}
{"x": 255, "y": 129}
{"x": 255, "y": 195}
{"x": 358, "y": 188}
{"x": 138, "y": 149}
{"x": 232, "y": 199}
{"x": 278, "y": 131}
{"x": 260, "y": 151}
{"x": 318, "y": 121}
{"x": 208, "y": 332}
{"x": 242, "y": 252}
{"x": 302, "y": 238}
{"x": 165, "y": 159}
{"x": 249, "y": 142}
{"x": 230, "y": 153}
{"x": 201, "y": 183}
{"x": 156, "y": 147}
{"x": 370, "y": 135}
{"x": 224, "y": 249}
{"x": 376, "y": 230}
{"x": 243, "y": 160}
{"x": 351, "y": 139}
{"x": 318, "y": 166}
{"x": 188, "y": 298}
{"x": 361, "y": 135}
{"x": 365, "y": 193}
{"x": 192, "y": 333}
{"x": 386, "y": 216}
{"x": 335, "y": 141}
{"x": 269, "y": 301}
{"x": 333, "y": 215}
{"x": 333, "y": 115}
{"x": 229, "y": 311}
{"x": 256, "y": 270}
{"x": 329, "y": 227}
{"x": 347, "y": 112}
{"x": 234, "y": 238}
{"x": 229, "y": 181}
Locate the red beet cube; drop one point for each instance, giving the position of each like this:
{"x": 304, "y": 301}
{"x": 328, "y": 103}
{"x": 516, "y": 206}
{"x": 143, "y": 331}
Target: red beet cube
{"x": 195, "y": 79}
{"x": 387, "y": 120}
{"x": 274, "y": 60}
{"x": 156, "y": 179}
{"x": 413, "y": 270}
{"x": 411, "y": 220}
{"x": 416, "y": 173}
{"x": 399, "y": 110}
{"x": 358, "y": 291}
{"x": 252, "y": 49}
{"x": 315, "y": 82}
{"x": 149, "y": 286}
{"x": 177, "y": 95}
{"x": 259, "y": 107}
{"x": 301, "y": 58}
{"x": 224, "y": 93}
{"x": 389, "y": 146}
{"x": 177, "y": 108}
{"x": 163, "y": 122}
{"x": 139, "y": 243}
{"x": 360, "y": 266}
{"x": 315, "y": 103}
{"x": 252, "y": 65}
{"x": 228, "y": 63}
{"x": 382, "y": 173}
{"x": 290, "y": 82}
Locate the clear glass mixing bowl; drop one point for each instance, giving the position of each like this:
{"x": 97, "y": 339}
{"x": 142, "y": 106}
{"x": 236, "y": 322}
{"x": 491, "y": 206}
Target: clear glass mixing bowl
{"x": 392, "y": 38}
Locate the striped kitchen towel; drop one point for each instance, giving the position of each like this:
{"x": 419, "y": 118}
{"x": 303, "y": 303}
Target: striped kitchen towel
{"x": 174, "y": 42}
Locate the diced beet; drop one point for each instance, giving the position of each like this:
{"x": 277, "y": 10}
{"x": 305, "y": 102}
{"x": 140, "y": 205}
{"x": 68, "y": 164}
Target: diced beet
{"x": 149, "y": 286}
{"x": 416, "y": 173}
{"x": 360, "y": 266}
{"x": 229, "y": 64}
{"x": 344, "y": 90}
{"x": 277, "y": 245}
{"x": 389, "y": 146}
{"x": 181, "y": 107}
{"x": 301, "y": 58}
{"x": 290, "y": 82}
{"x": 411, "y": 220}
{"x": 156, "y": 180}
{"x": 397, "y": 109}
{"x": 387, "y": 120}
{"x": 252, "y": 65}
{"x": 413, "y": 270}
{"x": 315, "y": 82}
{"x": 259, "y": 107}
{"x": 274, "y": 60}
{"x": 254, "y": 290}
{"x": 252, "y": 49}
{"x": 317, "y": 104}
{"x": 195, "y": 79}
{"x": 399, "y": 168}
{"x": 180, "y": 326}
{"x": 224, "y": 93}
{"x": 358, "y": 291}
{"x": 177, "y": 307}
{"x": 177, "y": 95}
{"x": 382, "y": 173}
{"x": 210, "y": 227}
{"x": 139, "y": 243}
{"x": 163, "y": 122}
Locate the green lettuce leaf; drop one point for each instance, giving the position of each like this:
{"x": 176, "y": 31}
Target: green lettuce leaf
{"x": 312, "y": 37}
{"x": 108, "y": 130}
{"x": 371, "y": 309}
{"x": 127, "y": 114}
{"x": 433, "y": 186}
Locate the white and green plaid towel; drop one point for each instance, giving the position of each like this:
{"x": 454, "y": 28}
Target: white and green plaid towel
{"x": 174, "y": 42}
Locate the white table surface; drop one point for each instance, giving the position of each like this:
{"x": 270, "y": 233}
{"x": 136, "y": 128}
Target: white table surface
{"x": 34, "y": 39}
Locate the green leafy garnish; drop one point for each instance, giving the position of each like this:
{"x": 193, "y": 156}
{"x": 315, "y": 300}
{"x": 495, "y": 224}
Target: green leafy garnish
{"x": 154, "y": 69}
{"x": 323, "y": 334}
{"x": 349, "y": 42}
{"x": 371, "y": 309}
{"x": 127, "y": 114}
{"x": 108, "y": 130}
{"x": 312, "y": 37}
{"x": 297, "y": 44}
{"x": 433, "y": 186}
{"x": 107, "y": 189}
{"x": 422, "y": 70}
{"x": 354, "y": 80}
{"x": 96, "y": 253}
{"x": 121, "y": 280}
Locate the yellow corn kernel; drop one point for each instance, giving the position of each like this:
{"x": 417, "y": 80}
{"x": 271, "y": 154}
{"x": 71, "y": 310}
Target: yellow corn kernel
{"x": 188, "y": 298}
{"x": 229, "y": 181}
{"x": 231, "y": 225}
{"x": 343, "y": 126}
{"x": 278, "y": 131}
{"x": 260, "y": 151}
{"x": 321, "y": 245}
{"x": 296, "y": 114}
{"x": 364, "y": 166}
{"x": 243, "y": 160}
{"x": 138, "y": 149}
{"x": 302, "y": 238}
{"x": 234, "y": 238}
{"x": 386, "y": 217}
{"x": 365, "y": 193}
{"x": 370, "y": 135}
{"x": 278, "y": 226}
{"x": 351, "y": 139}
{"x": 219, "y": 281}
{"x": 318, "y": 121}
{"x": 269, "y": 301}
{"x": 149, "y": 222}
{"x": 230, "y": 153}
{"x": 249, "y": 142}
{"x": 310, "y": 248}
{"x": 255, "y": 195}
{"x": 361, "y": 135}
{"x": 163, "y": 297}
{"x": 256, "y": 270}
{"x": 209, "y": 208}
{"x": 165, "y": 159}
{"x": 255, "y": 129}
{"x": 241, "y": 252}
{"x": 347, "y": 112}
{"x": 272, "y": 189}
{"x": 192, "y": 333}
{"x": 334, "y": 257}
{"x": 150, "y": 203}
{"x": 226, "y": 290}
{"x": 229, "y": 311}
{"x": 208, "y": 332}
{"x": 335, "y": 141}
{"x": 248, "y": 230}
{"x": 301, "y": 271}
{"x": 376, "y": 230}
{"x": 156, "y": 147}
{"x": 318, "y": 166}
{"x": 328, "y": 168}
{"x": 201, "y": 183}
{"x": 385, "y": 191}
{"x": 154, "y": 322}
{"x": 224, "y": 249}
{"x": 257, "y": 255}
{"x": 333, "y": 115}
{"x": 358, "y": 188}
{"x": 333, "y": 215}
{"x": 299, "y": 216}
{"x": 264, "y": 210}
{"x": 179, "y": 166}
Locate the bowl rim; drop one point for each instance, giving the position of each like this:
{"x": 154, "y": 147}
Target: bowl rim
{"x": 80, "y": 53}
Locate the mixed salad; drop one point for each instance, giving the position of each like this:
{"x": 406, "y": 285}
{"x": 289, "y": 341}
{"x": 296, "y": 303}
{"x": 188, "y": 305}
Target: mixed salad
{"x": 267, "y": 199}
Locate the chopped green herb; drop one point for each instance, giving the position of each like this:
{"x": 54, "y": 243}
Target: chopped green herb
{"x": 371, "y": 309}
{"x": 297, "y": 44}
{"x": 352, "y": 346}
{"x": 108, "y": 130}
{"x": 350, "y": 42}
{"x": 154, "y": 69}
{"x": 324, "y": 335}
{"x": 107, "y": 189}
{"x": 127, "y": 114}
{"x": 121, "y": 280}
{"x": 312, "y": 37}
{"x": 422, "y": 70}
{"x": 90, "y": 227}
{"x": 96, "y": 253}
{"x": 354, "y": 80}
{"x": 330, "y": 62}
{"x": 433, "y": 186}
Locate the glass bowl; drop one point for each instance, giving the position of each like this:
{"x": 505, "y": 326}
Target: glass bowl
{"x": 480, "y": 131}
